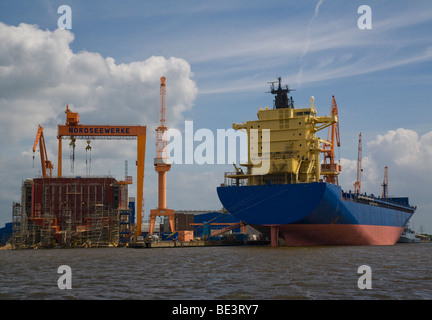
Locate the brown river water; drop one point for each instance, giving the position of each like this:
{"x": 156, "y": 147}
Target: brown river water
{"x": 401, "y": 272}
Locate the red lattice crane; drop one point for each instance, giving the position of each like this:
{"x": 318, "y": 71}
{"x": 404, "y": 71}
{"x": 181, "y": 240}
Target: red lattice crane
{"x": 385, "y": 184}
{"x": 47, "y": 166}
{"x": 357, "y": 184}
{"x": 162, "y": 164}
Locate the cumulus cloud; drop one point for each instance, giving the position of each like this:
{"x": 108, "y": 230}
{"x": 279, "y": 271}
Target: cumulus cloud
{"x": 404, "y": 148}
{"x": 40, "y": 75}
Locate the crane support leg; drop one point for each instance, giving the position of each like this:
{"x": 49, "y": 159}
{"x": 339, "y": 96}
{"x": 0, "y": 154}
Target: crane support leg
{"x": 161, "y": 212}
{"x": 140, "y": 180}
{"x": 59, "y": 162}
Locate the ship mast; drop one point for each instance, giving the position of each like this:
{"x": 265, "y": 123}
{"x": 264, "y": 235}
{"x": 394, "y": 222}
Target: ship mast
{"x": 385, "y": 184}
{"x": 281, "y": 95}
{"x": 357, "y": 184}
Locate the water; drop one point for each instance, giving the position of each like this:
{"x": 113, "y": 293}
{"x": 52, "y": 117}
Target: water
{"x": 246, "y": 272}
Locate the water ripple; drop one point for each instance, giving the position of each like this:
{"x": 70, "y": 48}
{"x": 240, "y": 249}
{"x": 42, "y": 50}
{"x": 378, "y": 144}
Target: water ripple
{"x": 229, "y": 273}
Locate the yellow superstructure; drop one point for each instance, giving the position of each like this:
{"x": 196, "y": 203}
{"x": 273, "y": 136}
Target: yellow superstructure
{"x": 286, "y": 138}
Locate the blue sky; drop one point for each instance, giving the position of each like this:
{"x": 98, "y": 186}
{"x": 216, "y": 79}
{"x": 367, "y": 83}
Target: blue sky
{"x": 218, "y": 57}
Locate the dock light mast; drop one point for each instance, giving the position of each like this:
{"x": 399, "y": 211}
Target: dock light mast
{"x": 162, "y": 163}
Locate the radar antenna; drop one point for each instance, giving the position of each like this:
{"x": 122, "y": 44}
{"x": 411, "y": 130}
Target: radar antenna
{"x": 281, "y": 95}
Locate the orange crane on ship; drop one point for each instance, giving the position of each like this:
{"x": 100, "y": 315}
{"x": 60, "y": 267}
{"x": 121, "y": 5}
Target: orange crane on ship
{"x": 385, "y": 184}
{"x": 47, "y": 166}
{"x": 330, "y": 170}
{"x": 357, "y": 184}
{"x": 73, "y": 130}
{"x": 162, "y": 164}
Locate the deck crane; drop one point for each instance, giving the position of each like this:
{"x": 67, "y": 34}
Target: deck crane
{"x": 162, "y": 164}
{"x": 330, "y": 170}
{"x": 357, "y": 184}
{"x": 385, "y": 184}
{"x": 47, "y": 166}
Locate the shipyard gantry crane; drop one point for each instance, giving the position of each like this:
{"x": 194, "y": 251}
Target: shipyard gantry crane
{"x": 162, "y": 164}
{"x": 385, "y": 184}
{"x": 73, "y": 130}
{"x": 330, "y": 170}
{"x": 47, "y": 166}
{"x": 357, "y": 184}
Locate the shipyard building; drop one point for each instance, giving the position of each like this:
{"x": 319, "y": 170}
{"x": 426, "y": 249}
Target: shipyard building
{"x": 75, "y": 211}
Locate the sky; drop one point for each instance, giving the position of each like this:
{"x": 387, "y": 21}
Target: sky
{"x": 217, "y": 57}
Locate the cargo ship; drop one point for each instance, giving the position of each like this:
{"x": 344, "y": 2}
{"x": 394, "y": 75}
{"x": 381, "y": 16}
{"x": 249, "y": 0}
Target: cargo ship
{"x": 286, "y": 191}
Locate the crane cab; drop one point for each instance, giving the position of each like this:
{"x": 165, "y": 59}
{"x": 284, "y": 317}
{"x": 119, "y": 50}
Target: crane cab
{"x": 72, "y": 118}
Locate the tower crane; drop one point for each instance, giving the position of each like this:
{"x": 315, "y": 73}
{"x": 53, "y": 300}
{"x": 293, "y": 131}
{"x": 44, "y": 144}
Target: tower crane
{"x": 385, "y": 184}
{"x": 357, "y": 184}
{"x": 162, "y": 164}
{"x": 47, "y": 166}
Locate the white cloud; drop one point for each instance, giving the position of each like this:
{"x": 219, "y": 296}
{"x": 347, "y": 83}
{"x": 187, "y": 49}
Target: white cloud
{"x": 369, "y": 176}
{"x": 325, "y": 48}
{"x": 40, "y": 74}
{"x": 404, "y": 147}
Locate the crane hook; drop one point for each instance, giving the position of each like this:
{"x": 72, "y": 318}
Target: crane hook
{"x": 72, "y": 156}
{"x": 88, "y": 163}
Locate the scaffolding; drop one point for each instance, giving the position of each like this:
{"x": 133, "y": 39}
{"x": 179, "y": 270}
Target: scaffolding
{"x": 47, "y": 230}
{"x": 102, "y": 227}
{"x": 67, "y": 228}
{"x": 18, "y": 228}
{"x": 67, "y": 212}
{"x": 125, "y": 226}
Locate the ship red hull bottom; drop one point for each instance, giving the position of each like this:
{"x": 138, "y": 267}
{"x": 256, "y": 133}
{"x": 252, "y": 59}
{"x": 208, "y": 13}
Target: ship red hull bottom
{"x": 334, "y": 234}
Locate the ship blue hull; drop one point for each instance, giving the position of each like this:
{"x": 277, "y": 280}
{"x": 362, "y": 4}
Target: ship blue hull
{"x": 314, "y": 214}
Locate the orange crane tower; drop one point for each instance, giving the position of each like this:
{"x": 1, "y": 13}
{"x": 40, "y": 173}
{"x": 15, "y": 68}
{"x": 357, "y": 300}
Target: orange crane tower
{"x": 162, "y": 163}
{"x": 357, "y": 184}
{"x": 331, "y": 170}
{"x": 385, "y": 184}
{"x": 47, "y": 166}
{"x": 74, "y": 130}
